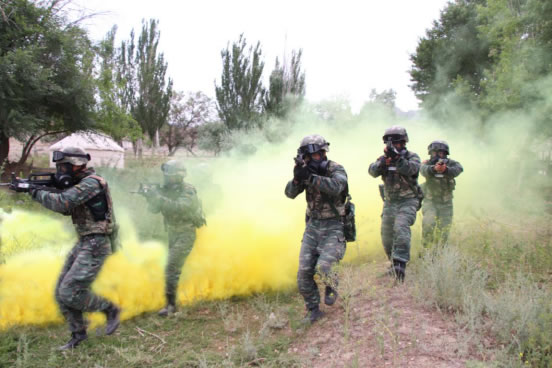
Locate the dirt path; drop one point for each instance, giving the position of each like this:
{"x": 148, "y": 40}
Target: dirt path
{"x": 377, "y": 324}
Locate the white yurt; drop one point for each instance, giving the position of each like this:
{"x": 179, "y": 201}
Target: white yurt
{"x": 104, "y": 151}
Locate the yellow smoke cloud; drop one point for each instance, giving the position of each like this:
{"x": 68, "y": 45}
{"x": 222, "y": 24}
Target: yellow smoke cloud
{"x": 253, "y": 236}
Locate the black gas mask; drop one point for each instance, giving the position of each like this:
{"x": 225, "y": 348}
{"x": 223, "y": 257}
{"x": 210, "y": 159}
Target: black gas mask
{"x": 318, "y": 167}
{"x": 64, "y": 176}
{"x": 65, "y": 173}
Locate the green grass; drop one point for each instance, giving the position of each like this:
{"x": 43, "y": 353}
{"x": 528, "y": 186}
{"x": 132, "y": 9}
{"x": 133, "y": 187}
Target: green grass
{"x": 495, "y": 275}
{"x": 197, "y": 336}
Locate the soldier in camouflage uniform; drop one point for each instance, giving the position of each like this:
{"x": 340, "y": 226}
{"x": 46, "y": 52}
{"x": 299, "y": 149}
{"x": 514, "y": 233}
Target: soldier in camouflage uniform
{"x": 323, "y": 244}
{"x": 439, "y": 172}
{"x": 398, "y": 169}
{"x": 85, "y": 197}
{"x": 182, "y": 213}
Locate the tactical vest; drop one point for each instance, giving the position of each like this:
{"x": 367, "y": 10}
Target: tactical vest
{"x": 178, "y": 221}
{"x": 439, "y": 187}
{"x": 96, "y": 216}
{"x": 397, "y": 186}
{"x": 318, "y": 204}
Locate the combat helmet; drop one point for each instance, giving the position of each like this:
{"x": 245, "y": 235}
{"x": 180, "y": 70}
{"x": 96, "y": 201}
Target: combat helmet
{"x": 438, "y": 146}
{"x": 396, "y": 133}
{"x": 71, "y": 155}
{"x": 313, "y": 143}
{"x": 173, "y": 168}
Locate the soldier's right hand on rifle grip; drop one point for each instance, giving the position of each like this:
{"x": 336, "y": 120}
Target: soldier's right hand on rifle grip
{"x": 300, "y": 173}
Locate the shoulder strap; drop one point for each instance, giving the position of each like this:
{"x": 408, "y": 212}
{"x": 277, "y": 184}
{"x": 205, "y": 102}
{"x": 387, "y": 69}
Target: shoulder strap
{"x": 101, "y": 180}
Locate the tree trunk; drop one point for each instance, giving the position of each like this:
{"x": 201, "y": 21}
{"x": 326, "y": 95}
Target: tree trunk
{"x": 4, "y": 148}
{"x": 139, "y": 147}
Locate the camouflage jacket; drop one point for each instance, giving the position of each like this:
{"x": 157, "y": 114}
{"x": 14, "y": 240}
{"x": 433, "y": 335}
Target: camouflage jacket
{"x": 179, "y": 205}
{"x": 73, "y": 202}
{"x": 400, "y": 178}
{"x": 439, "y": 187}
{"x": 321, "y": 191}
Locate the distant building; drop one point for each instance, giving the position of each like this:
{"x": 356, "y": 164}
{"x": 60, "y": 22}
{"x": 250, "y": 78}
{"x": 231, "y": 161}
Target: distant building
{"x": 104, "y": 151}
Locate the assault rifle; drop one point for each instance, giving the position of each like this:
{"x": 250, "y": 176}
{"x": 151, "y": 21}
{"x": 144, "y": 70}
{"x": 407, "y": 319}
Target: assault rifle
{"x": 146, "y": 189}
{"x": 299, "y": 159}
{"x": 392, "y": 152}
{"x": 438, "y": 162}
{"x": 43, "y": 181}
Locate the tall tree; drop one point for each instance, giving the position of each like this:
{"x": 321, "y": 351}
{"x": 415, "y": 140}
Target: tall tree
{"x": 452, "y": 52}
{"x": 188, "y": 113}
{"x": 386, "y": 98}
{"x": 112, "y": 112}
{"x": 240, "y": 96}
{"x": 213, "y": 137}
{"x": 143, "y": 70}
{"x": 46, "y": 74}
{"x": 287, "y": 86}
{"x": 520, "y": 34}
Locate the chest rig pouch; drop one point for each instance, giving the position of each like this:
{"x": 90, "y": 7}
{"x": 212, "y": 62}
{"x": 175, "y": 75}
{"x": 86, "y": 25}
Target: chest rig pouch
{"x": 98, "y": 206}
{"x": 349, "y": 225}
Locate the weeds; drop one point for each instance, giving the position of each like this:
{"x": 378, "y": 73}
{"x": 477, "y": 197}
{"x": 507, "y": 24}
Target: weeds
{"x": 504, "y": 300}
{"x": 22, "y": 351}
{"x": 349, "y": 288}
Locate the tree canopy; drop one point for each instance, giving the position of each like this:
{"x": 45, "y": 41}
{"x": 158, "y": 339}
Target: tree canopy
{"x": 143, "y": 70}
{"x": 287, "y": 86}
{"x": 493, "y": 55}
{"x": 240, "y": 95}
{"x": 46, "y": 74}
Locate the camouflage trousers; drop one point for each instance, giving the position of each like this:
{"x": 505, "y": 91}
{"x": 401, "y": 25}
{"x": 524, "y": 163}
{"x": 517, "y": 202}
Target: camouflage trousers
{"x": 322, "y": 247}
{"x": 396, "y": 219}
{"x": 73, "y": 292}
{"x": 180, "y": 245}
{"x": 437, "y": 218}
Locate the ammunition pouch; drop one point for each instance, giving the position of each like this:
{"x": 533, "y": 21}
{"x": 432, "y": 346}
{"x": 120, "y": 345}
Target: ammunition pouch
{"x": 98, "y": 206}
{"x": 349, "y": 225}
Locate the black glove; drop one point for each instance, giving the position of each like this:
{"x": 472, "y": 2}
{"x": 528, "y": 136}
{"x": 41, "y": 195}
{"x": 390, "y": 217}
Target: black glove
{"x": 433, "y": 160}
{"x": 381, "y": 160}
{"x": 301, "y": 173}
{"x": 391, "y": 152}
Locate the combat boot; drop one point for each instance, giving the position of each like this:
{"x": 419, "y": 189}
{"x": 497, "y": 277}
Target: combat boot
{"x": 167, "y": 310}
{"x": 313, "y": 315}
{"x": 399, "y": 267}
{"x": 76, "y": 338}
{"x": 330, "y": 296}
{"x": 112, "y": 313}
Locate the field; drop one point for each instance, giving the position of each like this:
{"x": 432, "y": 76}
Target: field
{"x": 482, "y": 301}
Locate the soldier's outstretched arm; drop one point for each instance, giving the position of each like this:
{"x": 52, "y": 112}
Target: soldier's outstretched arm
{"x": 294, "y": 189}
{"x": 426, "y": 169}
{"x": 454, "y": 169}
{"x": 333, "y": 184}
{"x": 410, "y": 166}
{"x": 376, "y": 168}
{"x": 188, "y": 202}
{"x": 65, "y": 201}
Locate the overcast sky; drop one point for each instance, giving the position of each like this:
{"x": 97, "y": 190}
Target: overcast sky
{"x": 349, "y": 47}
